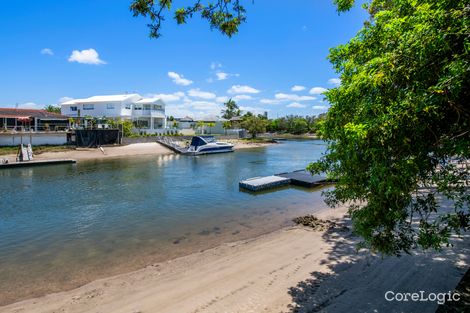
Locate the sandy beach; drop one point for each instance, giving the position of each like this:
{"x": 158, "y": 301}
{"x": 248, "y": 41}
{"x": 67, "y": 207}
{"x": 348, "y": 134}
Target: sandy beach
{"x": 293, "y": 269}
{"x": 136, "y": 149}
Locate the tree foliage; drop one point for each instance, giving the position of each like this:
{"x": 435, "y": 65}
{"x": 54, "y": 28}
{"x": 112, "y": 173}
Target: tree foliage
{"x": 398, "y": 130}
{"x": 127, "y": 126}
{"x": 231, "y": 109}
{"x": 254, "y": 124}
{"x": 52, "y": 108}
{"x": 294, "y": 124}
{"x": 223, "y": 15}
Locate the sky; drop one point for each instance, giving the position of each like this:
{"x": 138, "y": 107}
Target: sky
{"x": 55, "y": 50}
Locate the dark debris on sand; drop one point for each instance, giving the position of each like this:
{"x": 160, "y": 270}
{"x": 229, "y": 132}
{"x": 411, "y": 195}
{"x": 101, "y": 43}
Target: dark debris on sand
{"x": 317, "y": 224}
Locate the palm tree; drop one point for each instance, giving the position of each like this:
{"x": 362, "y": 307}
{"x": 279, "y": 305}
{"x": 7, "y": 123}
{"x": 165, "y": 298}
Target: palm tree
{"x": 231, "y": 109}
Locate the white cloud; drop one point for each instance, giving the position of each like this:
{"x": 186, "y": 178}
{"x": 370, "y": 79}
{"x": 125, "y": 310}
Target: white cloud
{"x": 317, "y": 90}
{"x": 319, "y": 107}
{"x": 238, "y": 89}
{"x": 221, "y": 75}
{"x": 88, "y": 56}
{"x": 242, "y": 97}
{"x": 296, "y": 105}
{"x": 197, "y": 93}
{"x": 30, "y": 105}
{"x": 207, "y": 106}
{"x": 195, "y": 109}
{"x": 254, "y": 110}
{"x": 222, "y": 99}
{"x": 334, "y": 81}
{"x": 65, "y": 99}
{"x": 270, "y": 101}
{"x": 47, "y": 51}
{"x": 292, "y": 97}
{"x": 168, "y": 97}
{"x": 297, "y": 88}
{"x": 179, "y": 79}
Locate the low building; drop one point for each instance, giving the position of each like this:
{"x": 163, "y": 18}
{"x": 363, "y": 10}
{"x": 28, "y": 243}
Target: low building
{"x": 147, "y": 114}
{"x": 210, "y": 125}
{"x": 28, "y": 126}
{"x": 32, "y": 120}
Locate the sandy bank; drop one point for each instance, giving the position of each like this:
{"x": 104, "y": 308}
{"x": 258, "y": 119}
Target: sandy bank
{"x": 150, "y": 148}
{"x": 293, "y": 267}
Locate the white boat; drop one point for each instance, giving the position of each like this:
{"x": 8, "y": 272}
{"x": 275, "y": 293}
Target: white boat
{"x": 207, "y": 144}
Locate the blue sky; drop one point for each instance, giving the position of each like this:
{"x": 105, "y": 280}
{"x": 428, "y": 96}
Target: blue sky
{"x": 55, "y": 49}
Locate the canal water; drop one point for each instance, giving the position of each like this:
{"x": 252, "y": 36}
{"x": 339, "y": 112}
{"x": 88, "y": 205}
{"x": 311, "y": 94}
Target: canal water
{"x": 63, "y": 226}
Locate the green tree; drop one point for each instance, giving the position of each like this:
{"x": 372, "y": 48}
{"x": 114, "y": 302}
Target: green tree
{"x": 227, "y": 125}
{"x": 52, "y": 108}
{"x": 127, "y": 126}
{"x": 224, "y": 15}
{"x": 299, "y": 126}
{"x": 231, "y": 109}
{"x": 254, "y": 125}
{"x": 398, "y": 128}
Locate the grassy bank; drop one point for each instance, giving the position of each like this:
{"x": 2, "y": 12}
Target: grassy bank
{"x": 36, "y": 149}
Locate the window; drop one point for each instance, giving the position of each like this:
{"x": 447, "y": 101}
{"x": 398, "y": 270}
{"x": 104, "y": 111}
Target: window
{"x": 110, "y": 106}
{"x": 128, "y": 106}
{"x": 137, "y": 107}
{"x": 157, "y": 107}
{"x": 147, "y": 107}
{"x": 74, "y": 109}
{"x": 88, "y": 107}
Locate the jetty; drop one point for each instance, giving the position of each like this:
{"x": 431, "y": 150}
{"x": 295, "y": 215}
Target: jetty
{"x": 298, "y": 178}
{"x": 171, "y": 144}
{"x": 36, "y": 163}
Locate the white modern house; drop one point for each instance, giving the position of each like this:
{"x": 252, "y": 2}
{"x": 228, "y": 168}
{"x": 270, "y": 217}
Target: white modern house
{"x": 147, "y": 114}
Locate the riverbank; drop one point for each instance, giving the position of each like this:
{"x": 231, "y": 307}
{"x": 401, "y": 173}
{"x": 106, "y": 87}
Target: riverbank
{"x": 294, "y": 268}
{"x": 136, "y": 149}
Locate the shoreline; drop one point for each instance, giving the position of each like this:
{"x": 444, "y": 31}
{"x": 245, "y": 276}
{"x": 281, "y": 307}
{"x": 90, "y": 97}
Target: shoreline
{"x": 291, "y": 268}
{"x": 173, "y": 272}
{"x": 135, "y": 149}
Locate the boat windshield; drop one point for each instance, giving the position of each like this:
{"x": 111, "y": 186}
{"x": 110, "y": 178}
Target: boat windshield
{"x": 198, "y": 141}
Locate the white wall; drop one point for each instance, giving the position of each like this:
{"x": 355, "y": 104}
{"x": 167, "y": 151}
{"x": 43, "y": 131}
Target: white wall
{"x": 100, "y": 109}
{"x": 36, "y": 139}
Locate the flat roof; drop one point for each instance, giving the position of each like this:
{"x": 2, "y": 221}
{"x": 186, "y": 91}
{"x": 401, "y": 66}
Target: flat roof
{"x": 105, "y": 98}
{"x": 149, "y": 101}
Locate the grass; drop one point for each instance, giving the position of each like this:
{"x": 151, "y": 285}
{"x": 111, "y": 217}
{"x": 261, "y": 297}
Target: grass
{"x": 36, "y": 149}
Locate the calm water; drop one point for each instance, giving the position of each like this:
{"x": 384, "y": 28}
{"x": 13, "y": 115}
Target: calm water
{"x": 62, "y": 226}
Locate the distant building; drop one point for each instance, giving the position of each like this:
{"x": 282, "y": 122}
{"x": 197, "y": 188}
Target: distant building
{"x": 147, "y": 114}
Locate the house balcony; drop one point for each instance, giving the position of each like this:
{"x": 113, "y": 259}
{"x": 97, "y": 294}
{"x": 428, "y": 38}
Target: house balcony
{"x": 148, "y": 113}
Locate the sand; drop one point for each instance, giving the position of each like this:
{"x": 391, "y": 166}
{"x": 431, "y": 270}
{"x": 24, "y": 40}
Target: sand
{"x": 295, "y": 267}
{"x": 149, "y": 148}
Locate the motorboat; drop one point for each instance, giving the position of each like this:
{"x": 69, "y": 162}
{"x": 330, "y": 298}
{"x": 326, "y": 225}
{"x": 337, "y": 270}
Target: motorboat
{"x": 208, "y": 144}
